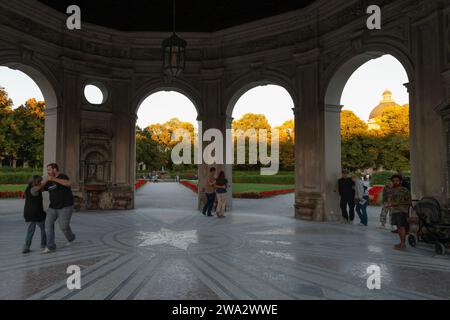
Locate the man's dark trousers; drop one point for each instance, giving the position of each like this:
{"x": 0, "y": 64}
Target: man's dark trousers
{"x": 350, "y": 203}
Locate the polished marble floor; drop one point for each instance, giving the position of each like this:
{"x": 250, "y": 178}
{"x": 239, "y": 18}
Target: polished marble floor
{"x": 165, "y": 249}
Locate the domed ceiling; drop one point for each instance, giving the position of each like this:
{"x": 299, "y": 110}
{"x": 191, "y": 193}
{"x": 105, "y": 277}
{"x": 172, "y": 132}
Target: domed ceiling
{"x": 192, "y": 15}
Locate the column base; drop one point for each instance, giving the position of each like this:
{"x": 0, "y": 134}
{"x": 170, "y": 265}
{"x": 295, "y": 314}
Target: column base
{"x": 110, "y": 199}
{"x": 309, "y": 206}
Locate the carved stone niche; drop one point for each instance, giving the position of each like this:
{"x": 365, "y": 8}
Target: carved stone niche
{"x": 95, "y": 169}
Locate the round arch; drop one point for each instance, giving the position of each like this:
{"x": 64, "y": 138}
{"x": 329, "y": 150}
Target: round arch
{"x": 338, "y": 73}
{"x": 245, "y": 84}
{"x": 152, "y": 87}
{"x": 44, "y": 79}
{"x": 51, "y": 91}
{"x": 335, "y": 78}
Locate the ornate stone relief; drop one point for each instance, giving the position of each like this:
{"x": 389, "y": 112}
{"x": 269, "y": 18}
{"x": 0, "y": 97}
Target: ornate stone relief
{"x": 96, "y": 157}
{"x": 95, "y": 166}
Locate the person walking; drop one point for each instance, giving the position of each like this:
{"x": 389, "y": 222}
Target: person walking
{"x": 58, "y": 186}
{"x": 210, "y": 192}
{"x": 385, "y": 209}
{"x": 34, "y": 213}
{"x": 221, "y": 191}
{"x": 345, "y": 188}
{"x": 361, "y": 200}
{"x": 399, "y": 203}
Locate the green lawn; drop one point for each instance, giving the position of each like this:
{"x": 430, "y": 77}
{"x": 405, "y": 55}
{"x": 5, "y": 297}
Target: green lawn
{"x": 256, "y": 187}
{"x": 259, "y": 187}
{"x": 12, "y": 187}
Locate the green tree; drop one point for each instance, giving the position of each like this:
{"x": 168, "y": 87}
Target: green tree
{"x": 6, "y": 105}
{"x": 27, "y": 132}
{"x": 287, "y": 145}
{"x": 147, "y": 149}
{"x": 358, "y": 148}
{"x": 250, "y": 121}
{"x": 395, "y": 121}
{"x": 162, "y": 134}
{"x": 352, "y": 125}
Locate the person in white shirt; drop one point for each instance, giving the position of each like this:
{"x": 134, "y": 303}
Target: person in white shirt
{"x": 361, "y": 200}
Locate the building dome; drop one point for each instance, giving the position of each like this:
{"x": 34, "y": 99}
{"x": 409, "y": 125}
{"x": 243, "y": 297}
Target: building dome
{"x": 386, "y": 102}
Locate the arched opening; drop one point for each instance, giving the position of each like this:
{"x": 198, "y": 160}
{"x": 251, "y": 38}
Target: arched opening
{"x": 160, "y": 114}
{"x": 28, "y": 135}
{"x": 367, "y": 127}
{"x": 263, "y": 133}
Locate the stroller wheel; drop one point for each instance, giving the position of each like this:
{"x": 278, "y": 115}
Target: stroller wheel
{"x": 412, "y": 240}
{"x": 439, "y": 248}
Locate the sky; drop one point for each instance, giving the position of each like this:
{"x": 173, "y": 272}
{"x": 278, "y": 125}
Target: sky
{"x": 361, "y": 94}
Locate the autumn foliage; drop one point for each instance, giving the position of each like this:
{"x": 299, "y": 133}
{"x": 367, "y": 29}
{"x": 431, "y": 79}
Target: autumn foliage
{"x": 386, "y": 147}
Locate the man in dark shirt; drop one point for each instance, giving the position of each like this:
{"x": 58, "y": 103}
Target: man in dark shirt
{"x": 61, "y": 206}
{"x": 346, "y": 188}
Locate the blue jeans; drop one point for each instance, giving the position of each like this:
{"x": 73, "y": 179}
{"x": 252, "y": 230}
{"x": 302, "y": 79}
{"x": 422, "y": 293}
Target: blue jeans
{"x": 361, "y": 210}
{"x": 30, "y": 234}
{"x": 63, "y": 216}
{"x": 210, "y": 197}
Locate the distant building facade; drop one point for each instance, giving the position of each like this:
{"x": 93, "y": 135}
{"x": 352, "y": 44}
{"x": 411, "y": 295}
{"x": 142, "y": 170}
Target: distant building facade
{"x": 386, "y": 102}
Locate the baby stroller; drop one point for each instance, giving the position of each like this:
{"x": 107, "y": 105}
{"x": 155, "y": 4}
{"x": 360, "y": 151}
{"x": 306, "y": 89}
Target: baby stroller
{"x": 431, "y": 227}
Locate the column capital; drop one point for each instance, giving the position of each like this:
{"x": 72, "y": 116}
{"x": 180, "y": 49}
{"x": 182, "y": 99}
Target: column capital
{"x": 443, "y": 109}
{"x": 410, "y": 86}
{"x": 134, "y": 117}
{"x": 333, "y": 108}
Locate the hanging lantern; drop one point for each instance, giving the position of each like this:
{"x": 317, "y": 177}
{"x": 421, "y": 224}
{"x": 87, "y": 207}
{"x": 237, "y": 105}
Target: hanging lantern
{"x": 174, "y": 55}
{"x": 174, "y": 52}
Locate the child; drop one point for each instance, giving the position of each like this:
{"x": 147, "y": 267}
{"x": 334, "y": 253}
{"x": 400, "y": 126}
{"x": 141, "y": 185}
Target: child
{"x": 34, "y": 213}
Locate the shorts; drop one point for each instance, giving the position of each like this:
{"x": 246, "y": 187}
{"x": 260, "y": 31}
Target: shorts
{"x": 400, "y": 219}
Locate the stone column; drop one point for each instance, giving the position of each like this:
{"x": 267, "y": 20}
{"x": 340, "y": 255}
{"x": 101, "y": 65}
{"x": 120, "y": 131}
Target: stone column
{"x": 51, "y": 135}
{"x": 124, "y": 158}
{"x": 229, "y": 154}
{"x": 428, "y": 147}
{"x": 333, "y": 156}
{"x": 69, "y": 127}
{"x": 311, "y": 118}
{"x": 213, "y": 116}
{"x": 52, "y": 142}
{"x": 444, "y": 111}
{"x": 309, "y": 144}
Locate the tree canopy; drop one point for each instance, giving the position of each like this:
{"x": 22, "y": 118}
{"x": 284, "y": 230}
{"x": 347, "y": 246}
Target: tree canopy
{"x": 387, "y": 146}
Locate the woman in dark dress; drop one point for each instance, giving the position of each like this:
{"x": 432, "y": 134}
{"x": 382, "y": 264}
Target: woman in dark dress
{"x": 34, "y": 213}
{"x": 221, "y": 192}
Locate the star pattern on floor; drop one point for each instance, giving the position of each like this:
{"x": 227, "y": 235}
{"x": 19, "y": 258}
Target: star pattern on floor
{"x": 178, "y": 239}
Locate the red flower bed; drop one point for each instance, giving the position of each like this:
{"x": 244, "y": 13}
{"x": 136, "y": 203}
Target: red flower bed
{"x": 11, "y": 194}
{"x": 262, "y": 194}
{"x": 244, "y": 195}
{"x": 375, "y": 194}
{"x": 265, "y": 194}
{"x": 140, "y": 183}
{"x": 189, "y": 185}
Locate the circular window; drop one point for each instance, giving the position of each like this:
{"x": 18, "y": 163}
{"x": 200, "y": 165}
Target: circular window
{"x": 94, "y": 94}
